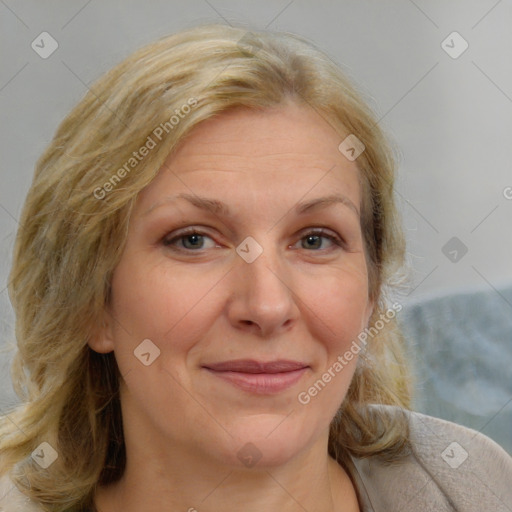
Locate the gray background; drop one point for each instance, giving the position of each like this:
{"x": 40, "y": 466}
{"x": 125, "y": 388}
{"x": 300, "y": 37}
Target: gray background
{"x": 451, "y": 118}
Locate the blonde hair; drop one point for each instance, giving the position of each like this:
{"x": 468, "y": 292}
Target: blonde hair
{"x": 74, "y": 225}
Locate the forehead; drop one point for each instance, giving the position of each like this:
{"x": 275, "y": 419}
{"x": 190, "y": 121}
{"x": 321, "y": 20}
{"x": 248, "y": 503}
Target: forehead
{"x": 289, "y": 129}
{"x": 284, "y": 153}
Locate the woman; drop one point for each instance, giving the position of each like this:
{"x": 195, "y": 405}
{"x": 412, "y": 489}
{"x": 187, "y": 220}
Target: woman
{"x": 200, "y": 284}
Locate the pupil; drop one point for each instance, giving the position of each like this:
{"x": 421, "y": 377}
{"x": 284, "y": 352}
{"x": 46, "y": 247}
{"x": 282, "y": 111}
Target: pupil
{"x": 194, "y": 239}
{"x": 312, "y": 238}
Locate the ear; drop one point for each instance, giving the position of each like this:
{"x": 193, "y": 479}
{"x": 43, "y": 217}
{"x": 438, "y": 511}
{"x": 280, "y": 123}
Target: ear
{"x": 368, "y": 311}
{"x": 102, "y": 340}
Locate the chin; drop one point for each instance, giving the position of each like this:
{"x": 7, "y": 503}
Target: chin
{"x": 265, "y": 441}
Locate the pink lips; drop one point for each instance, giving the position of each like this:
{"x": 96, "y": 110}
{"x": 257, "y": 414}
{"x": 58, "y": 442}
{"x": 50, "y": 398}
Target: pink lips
{"x": 259, "y": 377}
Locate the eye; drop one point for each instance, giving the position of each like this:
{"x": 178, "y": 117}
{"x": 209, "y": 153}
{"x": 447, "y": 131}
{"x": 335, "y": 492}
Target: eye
{"x": 192, "y": 240}
{"x": 314, "y": 238}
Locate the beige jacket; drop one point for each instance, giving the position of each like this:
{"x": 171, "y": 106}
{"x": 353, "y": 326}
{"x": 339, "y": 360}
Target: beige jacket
{"x": 451, "y": 468}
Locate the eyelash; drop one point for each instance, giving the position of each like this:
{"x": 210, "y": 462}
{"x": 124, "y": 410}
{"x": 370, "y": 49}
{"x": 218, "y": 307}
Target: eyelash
{"x": 192, "y": 231}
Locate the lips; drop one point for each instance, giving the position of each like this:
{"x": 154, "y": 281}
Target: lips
{"x": 259, "y": 377}
{"x": 252, "y": 366}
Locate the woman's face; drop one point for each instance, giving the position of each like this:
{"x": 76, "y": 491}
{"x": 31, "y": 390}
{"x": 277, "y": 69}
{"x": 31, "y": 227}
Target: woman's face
{"x": 245, "y": 305}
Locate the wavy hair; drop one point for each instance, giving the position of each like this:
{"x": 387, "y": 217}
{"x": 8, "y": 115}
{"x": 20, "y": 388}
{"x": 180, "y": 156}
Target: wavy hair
{"x": 73, "y": 229}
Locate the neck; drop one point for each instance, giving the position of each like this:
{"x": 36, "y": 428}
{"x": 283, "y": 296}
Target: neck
{"x": 308, "y": 482}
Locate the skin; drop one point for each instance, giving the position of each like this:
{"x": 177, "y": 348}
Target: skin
{"x": 304, "y": 299}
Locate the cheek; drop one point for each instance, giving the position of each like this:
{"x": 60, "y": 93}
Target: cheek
{"x": 339, "y": 300}
{"x": 340, "y": 307}
{"x": 159, "y": 304}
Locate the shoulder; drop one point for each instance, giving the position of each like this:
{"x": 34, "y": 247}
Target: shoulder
{"x": 13, "y": 500}
{"x": 449, "y": 468}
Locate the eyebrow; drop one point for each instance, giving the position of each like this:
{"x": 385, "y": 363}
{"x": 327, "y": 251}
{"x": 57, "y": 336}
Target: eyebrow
{"x": 219, "y": 208}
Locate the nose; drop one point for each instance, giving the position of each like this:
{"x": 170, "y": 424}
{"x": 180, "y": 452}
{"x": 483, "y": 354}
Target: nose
{"x": 263, "y": 300}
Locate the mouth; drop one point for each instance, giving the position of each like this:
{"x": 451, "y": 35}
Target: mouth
{"x": 259, "y": 377}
